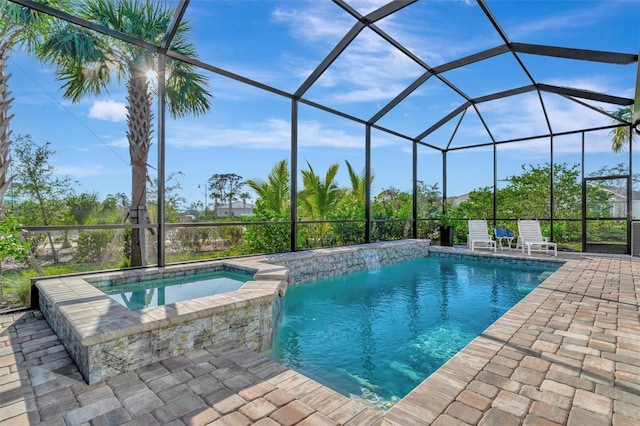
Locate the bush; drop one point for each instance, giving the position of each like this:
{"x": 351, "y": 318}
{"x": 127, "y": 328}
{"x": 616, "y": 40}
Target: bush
{"x": 232, "y": 235}
{"x": 92, "y": 245}
{"x": 190, "y": 239}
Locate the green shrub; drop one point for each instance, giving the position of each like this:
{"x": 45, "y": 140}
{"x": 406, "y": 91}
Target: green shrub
{"x": 232, "y": 235}
{"x": 190, "y": 239}
{"x": 92, "y": 245}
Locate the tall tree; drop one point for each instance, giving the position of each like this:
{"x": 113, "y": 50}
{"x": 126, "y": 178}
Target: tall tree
{"x": 244, "y": 196}
{"x": 234, "y": 185}
{"x": 620, "y": 135}
{"x": 225, "y": 186}
{"x": 36, "y": 180}
{"x": 87, "y": 61}
{"x": 19, "y": 26}
{"x": 173, "y": 199}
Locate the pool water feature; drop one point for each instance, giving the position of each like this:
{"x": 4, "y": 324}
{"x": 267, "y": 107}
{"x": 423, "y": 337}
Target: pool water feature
{"x": 163, "y": 291}
{"x": 375, "y": 335}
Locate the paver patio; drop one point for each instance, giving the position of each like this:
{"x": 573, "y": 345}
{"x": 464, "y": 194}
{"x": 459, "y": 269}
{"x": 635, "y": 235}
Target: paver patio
{"x": 569, "y": 353}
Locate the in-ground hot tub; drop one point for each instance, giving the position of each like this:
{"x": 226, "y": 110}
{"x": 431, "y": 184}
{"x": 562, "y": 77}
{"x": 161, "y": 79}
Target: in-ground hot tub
{"x": 104, "y": 338}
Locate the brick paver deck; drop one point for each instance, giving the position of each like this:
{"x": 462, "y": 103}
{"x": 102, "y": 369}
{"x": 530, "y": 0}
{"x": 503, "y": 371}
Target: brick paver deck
{"x": 569, "y": 353}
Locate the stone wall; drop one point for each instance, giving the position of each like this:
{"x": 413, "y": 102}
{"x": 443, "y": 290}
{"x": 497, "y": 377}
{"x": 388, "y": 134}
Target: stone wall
{"x": 249, "y": 325}
{"x": 329, "y": 262}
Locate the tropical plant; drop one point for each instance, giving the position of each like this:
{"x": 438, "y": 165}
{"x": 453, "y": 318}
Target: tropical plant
{"x": 319, "y": 197}
{"x": 318, "y": 201}
{"x": 244, "y": 196}
{"x": 272, "y": 205}
{"x": 391, "y": 211}
{"x": 275, "y": 191}
{"x": 82, "y": 207}
{"x": 351, "y": 210}
{"x": 86, "y": 62}
{"x": 449, "y": 216}
{"x": 18, "y": 26}
{"x": 620, "y": 135}
{"x": 358, "y": 183}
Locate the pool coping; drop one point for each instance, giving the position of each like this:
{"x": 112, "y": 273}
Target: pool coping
{"x": 430, "y": 399}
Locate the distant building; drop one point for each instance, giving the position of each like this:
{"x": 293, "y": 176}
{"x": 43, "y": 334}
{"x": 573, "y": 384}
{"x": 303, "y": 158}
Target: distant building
{"x": 238, "y": 208}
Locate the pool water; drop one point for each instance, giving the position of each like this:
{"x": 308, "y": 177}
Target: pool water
{"x": 163, "y": 291}
{"x": 377, "y": 334}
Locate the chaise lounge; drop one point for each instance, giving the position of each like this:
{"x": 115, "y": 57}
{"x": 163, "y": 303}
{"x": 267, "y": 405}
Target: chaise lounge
{"x": 479, "y": 236}
{"x": 530, "y": 236}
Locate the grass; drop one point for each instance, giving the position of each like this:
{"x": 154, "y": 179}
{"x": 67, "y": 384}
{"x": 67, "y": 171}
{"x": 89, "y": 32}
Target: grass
{"x": 16, "y": 284}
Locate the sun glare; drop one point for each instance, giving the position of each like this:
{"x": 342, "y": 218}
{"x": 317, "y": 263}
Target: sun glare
{"x": 152, "y": 76}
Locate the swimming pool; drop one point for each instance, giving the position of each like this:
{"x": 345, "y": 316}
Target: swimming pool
{"x": 375, "y": 335}
{"x": 163, "y": 291}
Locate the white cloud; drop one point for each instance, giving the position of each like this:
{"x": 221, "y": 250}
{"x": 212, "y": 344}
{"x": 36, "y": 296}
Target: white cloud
{"x": 270, "y": 134}
{"x": 108, "y": 110}
{"x": 369, "y": 69}
{"x": 86, "y": 170}
{"x": 579, "y": 17}
{"x": 522, "y": 116}
{"x": 119, "y": 143}
{"x": 314, "y": 21}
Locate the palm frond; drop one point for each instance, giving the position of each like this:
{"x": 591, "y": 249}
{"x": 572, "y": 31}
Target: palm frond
{"x": 620, "y": 136}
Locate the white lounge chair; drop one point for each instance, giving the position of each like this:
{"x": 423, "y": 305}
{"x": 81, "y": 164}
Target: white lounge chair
{"x": 479, "y": 235}
{"x": 530, "y": 236}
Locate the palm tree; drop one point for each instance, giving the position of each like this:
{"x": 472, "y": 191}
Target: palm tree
{"x": 319, "y": 200}
{"x": 244, "y": 196}
{"x": 87, "y": 61}
{"x": 358, "y": 182}
{"x": 273, "y": 205}
{"x": 620, "y": 135}
{"x": 18, "y": 26}
{"x": 275, "y": 192}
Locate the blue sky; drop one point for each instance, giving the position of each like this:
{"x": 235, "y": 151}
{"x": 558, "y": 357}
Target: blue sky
{"x": 279, "y": 43}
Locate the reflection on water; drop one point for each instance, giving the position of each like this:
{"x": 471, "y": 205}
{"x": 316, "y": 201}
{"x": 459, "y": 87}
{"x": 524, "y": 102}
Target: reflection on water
{"x": 159, "y": 292}
{"x": 376, "y": 335}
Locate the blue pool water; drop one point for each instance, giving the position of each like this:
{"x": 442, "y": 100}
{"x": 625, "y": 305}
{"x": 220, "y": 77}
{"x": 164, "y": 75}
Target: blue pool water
{"x": 378, "y": 334}
{"x": 164, "y": 291}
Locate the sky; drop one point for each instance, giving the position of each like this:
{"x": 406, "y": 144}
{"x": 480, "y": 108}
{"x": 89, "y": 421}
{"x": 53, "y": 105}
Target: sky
{"x": 280, "y": 43}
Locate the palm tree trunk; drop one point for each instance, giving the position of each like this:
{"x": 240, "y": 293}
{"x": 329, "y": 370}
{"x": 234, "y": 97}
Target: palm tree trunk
{"x": 6, "y": 43}
{"x": 139, "y": 118}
